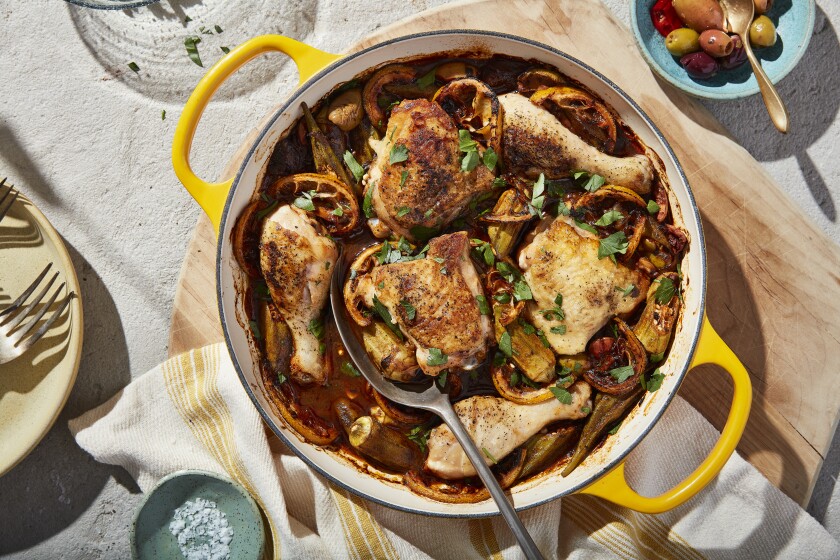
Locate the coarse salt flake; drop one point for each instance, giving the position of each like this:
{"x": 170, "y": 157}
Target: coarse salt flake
{"x": 202, "y": 531}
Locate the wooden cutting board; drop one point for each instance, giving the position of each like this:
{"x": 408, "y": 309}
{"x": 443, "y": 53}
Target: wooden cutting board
{"x": 774, "y": 278}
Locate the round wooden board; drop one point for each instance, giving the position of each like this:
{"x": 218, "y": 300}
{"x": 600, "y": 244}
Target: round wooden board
{"x": 777, "y": 320}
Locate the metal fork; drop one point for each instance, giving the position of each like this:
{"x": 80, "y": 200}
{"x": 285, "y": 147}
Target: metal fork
{"x": 7, "y": 198}
{"x": 14, "y": 327}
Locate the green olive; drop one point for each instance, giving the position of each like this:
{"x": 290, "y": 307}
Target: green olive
{"x": 680, "y": 42}
{"x": 762, "y": 32}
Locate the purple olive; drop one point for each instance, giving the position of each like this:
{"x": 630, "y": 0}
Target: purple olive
{"x": 737, "y": 57}
{"x": 699, "y": 65}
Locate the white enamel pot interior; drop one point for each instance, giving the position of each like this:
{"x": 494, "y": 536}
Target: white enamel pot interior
{"x": 640, "y": 421}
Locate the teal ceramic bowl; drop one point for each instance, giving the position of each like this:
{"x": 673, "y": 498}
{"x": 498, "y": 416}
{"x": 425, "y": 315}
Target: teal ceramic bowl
{"x": 151, "y": 538}
{"x": 794, "y": 20}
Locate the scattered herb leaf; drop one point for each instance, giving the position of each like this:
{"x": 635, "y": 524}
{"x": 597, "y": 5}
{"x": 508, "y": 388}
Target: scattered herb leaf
{"x": 134, "y": 67}
{"x": 652, "y": 207}
{"x": 350, "y": 370}
{"x": 561, "y": 394}
{"x": 410, "y": 310}
{"x": 191, "y": 43}
{"x": 402, "y": 211}
{"x": 612, "y": 244}
{"x": 399, "y": 153}
{"x": 426, "y": 79}
{"x": 609, "y": 217}
{"x": 665, "y": 290}
{"x": 489, "y": 456}
{"x": 490, "y": 159}
{"x": 483, "y": 306}
{"x": 353, "y": 165}
{"x": 255, "y": 328}
{"x": 621, "y": 374}
{"x": 436, "y": 357}
{"x": 505, "y": 345}
{"x": 385, "y": 315}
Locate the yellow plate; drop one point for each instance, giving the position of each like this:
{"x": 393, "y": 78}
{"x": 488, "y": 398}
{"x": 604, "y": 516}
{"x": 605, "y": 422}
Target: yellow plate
{"x": 35, "y": 386}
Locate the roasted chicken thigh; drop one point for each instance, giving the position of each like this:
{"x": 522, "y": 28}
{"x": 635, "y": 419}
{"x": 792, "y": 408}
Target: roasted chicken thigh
{"x": 416, "y": 183}
{"x": 536, "y": 142}
{"x": 433, "y": 301}
{"x": 297, "y": 261}
{"x": 563, "y": 259}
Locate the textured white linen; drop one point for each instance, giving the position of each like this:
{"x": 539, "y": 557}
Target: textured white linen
{"x": 192, "y": 413}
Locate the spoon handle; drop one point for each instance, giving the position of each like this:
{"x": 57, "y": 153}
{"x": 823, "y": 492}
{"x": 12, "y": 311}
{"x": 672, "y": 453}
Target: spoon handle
{"x": 772, "y": 100}
{"x": 526, "y": 543}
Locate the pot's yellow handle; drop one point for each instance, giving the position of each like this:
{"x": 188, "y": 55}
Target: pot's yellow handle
{"x": 212, "y": 196}
{"x": 711, "y": 349}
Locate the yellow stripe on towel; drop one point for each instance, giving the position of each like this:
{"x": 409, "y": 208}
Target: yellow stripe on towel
{"x": 191, "y": 383}
{"x": 483, "y": 539}
{"x": 364, "y": 536}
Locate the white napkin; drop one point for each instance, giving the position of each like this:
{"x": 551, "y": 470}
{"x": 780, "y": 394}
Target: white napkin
{"x": 191, "y": 412}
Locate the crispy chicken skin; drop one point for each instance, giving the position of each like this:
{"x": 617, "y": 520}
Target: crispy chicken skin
{"x": 498, "y": 426}
{"x": 563, "y": 259}
{"x": 443, "y": 297}
{"x": 297, "y": 262}
{"x": 536, "y": 142}
{"x": 435, "y": 190}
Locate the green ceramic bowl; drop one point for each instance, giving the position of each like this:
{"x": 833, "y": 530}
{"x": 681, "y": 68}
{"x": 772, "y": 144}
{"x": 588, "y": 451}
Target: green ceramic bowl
{"x": 151, "y": 538}
{"x": 794, "y": 20}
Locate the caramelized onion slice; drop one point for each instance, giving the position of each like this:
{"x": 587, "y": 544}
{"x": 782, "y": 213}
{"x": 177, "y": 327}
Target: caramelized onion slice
{"x": 636, "y": 355}
{"x": 609, "y": 192}
{"x": 520, "y": 394}
{"x": 393, "y": 74}
{"x": 335, "y": 206}
{"x": 356, "y": 284}
{"x": 455, "y": 492}
{"x": 245, "y": 238}
{"x": 474, "y": 106}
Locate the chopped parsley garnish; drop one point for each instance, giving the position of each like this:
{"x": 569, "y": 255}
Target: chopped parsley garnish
{"x": 419, "y": 435}
{"x": 441, "y": 379}
{"x": 399, "y": 153}
{"x": 560, "y": 329}
{"x": 163, "y": 115}
{"x": 521, "y": 291}
{"x": 515, "y": 378}
{"x": 281, "y": 378}
{"x": 626, "y": 291}
{"x": 225, "y": 50}
{"x": 439, "y": 260}
{"x": 350, "y": 370}
{"x": 428, "y": 213}
{"x": 484, "y": 251}
{"x": 338, "y": 211}
{"x": 586, "y": 410}
{"x": 423, "y": 232}
{"x": 614, "y": 429}
{"x": 436, "y": 357}
{"x": 505, "y": 345}
{"x": 255, "y": 328}
{"x": 537, "y": 196}
{"x": 499, "y": 183}
{"x": 586, "y": 227}
{"x": 353, "y": 165}
{"x": 268, "y": 209}
{"x": 655, "y": 381}
{"x": 556, "y": 313}
{"x": 652, "y": 207}
{"x": 217, "y": 28}
{"x": 403, "y": 177}
{"x": 304, "y": 201}
{"x": 490, "y": 158}
{"x": 367, "y": 206}
{"x": 502, "y": 298}
{"x": 561, "y": 394}
{"x": 508, "y": 272}
{"x": 470, "y": 148}
{"x": 402, "y": 211}
{"x": 543, "y": 339}
{"x": 609, "y": 217}
{"x": 589, "y": 181}
{"x": 483, "y": 306}
{"x": 191, "y": 44}
{"x": 385, "y": 315}
{"x": 410, "y": 310}
{"x": 489, "y": 456}
{"x": 316, "y": 328}
{"x": 610, "y": 245}
{"x": 657, "y": 357}
{"x": 621, "y": 374}
{"x": 665, "y": 290}
{"x": 134, "y": 67}
{"x": 427, "y": 79}
{"x": 470, "y": 161}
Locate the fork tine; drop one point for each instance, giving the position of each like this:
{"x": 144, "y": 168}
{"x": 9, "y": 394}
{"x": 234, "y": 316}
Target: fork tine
{"x": 19, "y": 301}
{"x": 24, "y": 330}
{"x": 27, "y": 344}
{"x": 5, "y": 208}
{"x": 18, "y": 319}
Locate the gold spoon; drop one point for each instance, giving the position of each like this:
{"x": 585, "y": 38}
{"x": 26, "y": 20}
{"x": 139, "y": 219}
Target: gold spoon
{"x": 739, "y": 17}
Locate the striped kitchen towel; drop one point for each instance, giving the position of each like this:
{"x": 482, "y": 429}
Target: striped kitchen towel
{"x": 191, "y": 412}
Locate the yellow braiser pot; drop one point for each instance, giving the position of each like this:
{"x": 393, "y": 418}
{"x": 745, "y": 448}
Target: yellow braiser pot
{"x": 695, "y": 341}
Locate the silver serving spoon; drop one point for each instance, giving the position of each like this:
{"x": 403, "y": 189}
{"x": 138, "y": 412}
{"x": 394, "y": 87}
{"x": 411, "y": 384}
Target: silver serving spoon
{"x": 429, "y": 399}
